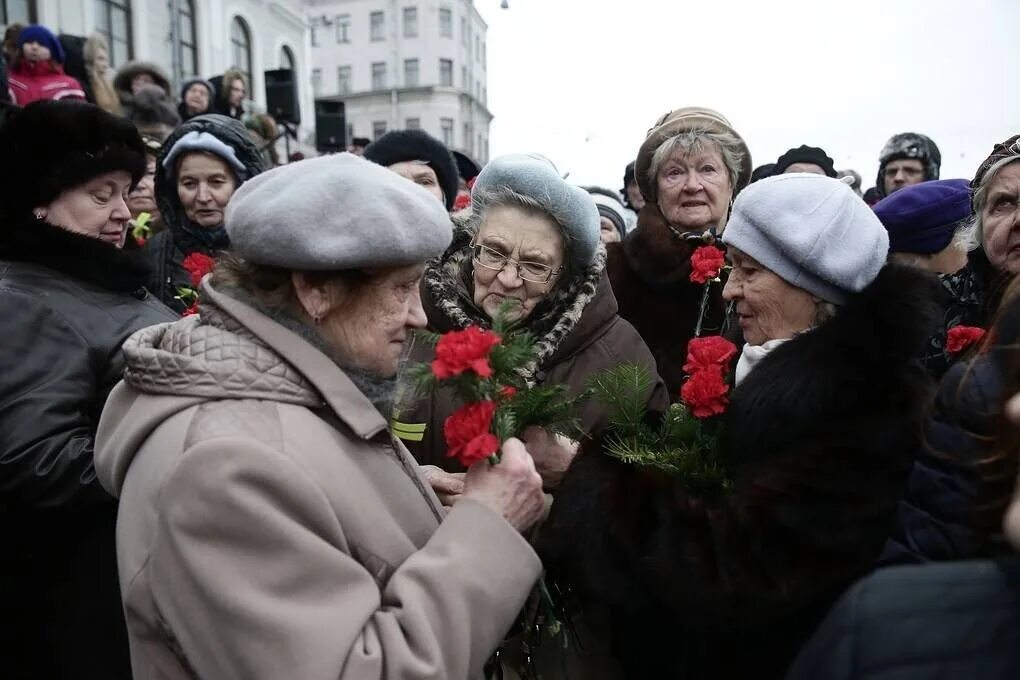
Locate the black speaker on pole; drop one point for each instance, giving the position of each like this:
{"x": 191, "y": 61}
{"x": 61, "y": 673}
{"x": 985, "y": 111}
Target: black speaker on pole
{"x": 330, "y": 126}
{"x": 282, "y": 96}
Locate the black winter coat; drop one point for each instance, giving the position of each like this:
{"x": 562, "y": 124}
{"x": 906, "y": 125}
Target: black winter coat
{"x": 67, "y": 302}
{"x": 959, "y": 620}
{"x": 819, "y": 439}
{"x": 167, "y": 250}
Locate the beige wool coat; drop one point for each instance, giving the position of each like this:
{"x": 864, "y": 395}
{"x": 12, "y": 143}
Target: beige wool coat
{"x": 271, "y": 527}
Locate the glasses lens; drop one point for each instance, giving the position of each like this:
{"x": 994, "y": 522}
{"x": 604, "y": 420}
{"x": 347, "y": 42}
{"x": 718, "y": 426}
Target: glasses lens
{"x": 534, "y": 271}
{"x": 489, "y": 258}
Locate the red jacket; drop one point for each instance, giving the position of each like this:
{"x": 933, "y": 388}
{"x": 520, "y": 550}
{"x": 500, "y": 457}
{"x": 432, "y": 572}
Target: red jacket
{"x": 31, "y": 81}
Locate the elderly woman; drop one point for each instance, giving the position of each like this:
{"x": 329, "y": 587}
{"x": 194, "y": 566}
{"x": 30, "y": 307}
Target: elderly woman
{"x": 532, "y": 242}
{"x": 817, "y": 441}
{"x": 270, "y": 524}
{"x": 69, "y": 296}
{"x": 200, "y": 167}
{"x": 689, "y": 167}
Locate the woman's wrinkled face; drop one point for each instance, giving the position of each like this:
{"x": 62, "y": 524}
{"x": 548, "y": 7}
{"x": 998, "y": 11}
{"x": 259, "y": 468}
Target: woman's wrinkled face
{"x": 421, "y": 174}
{"x": 769, "y": 308}
{"x": 370, "y": 332}
{"x": 608, "y": 231}
{"x": 97, "y": 208}
{"x": 205, "y": 184}
{"x": 143, "y": 197}
{"x": 694, "y": 188}
{"x": 196, "y": 99}
{"x": 528, "y": 238}
{"x": 1000, "y": 219}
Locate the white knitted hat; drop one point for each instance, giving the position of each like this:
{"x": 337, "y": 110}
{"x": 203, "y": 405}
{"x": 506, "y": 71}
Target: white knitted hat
{"x": 812, "y": 231}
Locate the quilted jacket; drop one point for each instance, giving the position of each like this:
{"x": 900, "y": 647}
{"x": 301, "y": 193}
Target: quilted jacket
{"x": 271, "y": 527}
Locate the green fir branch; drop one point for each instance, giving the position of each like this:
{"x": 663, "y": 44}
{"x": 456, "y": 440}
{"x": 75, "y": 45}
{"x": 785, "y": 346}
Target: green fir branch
{"x": 624, "y": 390}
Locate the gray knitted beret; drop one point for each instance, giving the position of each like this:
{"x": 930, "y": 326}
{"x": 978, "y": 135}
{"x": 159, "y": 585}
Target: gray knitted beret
{"x": 334, "y": 213}
{"x": 535, "y": 176}
{"x": 812, "y": 231}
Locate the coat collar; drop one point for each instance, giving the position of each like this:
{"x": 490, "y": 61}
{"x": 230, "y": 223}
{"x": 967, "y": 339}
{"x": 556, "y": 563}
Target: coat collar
{"x": 76, "y": 255}
{"x": 337, "y": 390}
{"x": 655, "y": 251}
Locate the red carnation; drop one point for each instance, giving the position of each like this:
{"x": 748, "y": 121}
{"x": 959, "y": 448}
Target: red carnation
{"x": 192, "y": 310}
{"x": 197, "y": 266}
{"x": 705, "y": 393}
{"x": 706, "y": 263}
{"x": 710, "y": 352}
{"x": 468, "y": 438}
{"x": 460, "y": 351}
{"x": 962, "y": 337}
{"x": 463, "y": 201}
{"x": 508, "y": 392}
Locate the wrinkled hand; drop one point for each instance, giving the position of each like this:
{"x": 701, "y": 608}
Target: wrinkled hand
{"x": 512, "y": 487}
{"x": 448, "y": 485}
{"x": 553, "y": 454}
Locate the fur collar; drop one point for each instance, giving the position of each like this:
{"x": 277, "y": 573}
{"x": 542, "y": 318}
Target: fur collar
{"x": 74, "y": 255}
{"x": 449, "y": 300}
{"x": 655, "y": 251}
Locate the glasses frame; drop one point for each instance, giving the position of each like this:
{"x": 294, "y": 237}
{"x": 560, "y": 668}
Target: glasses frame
{"x": 477, "y": 248}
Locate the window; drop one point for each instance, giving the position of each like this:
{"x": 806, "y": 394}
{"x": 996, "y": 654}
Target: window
{"x": 485, "y": 95}
{"x": 378, "y": 129}
{"x": 410, "y": 73}
{"x": 463, "y": 78}
{"x": 410, "y": 22}
{"x": 316, "y": 81}
{"x": 445, "y": 23}
{"x": 478, "y": 90}
{"x": 287, "y": 59}
{"x": 315, "y": 35}
{"x": 446, "y": 72}
{"x": 113, "y": 21}
{"x": 463, "y": 32}
{"x": 479, "y": 147}
{"x": 350, "y": 132}
{"x": 343, "y": 79}
{"x": 187, "y": 57}
{"x": 343, "y": 28}
{"x": 375, "y": 21}
{"x": 467, "y": 138}
{"x": 413, "y": 124}
{"x": 484, "y": 58}
{"x": 240, "y": 49}
{"x": 446, "y": 125}
{"x": 379, "y": 75}
{"x": 17, "y": 12}
{"x": 478, "y": 48}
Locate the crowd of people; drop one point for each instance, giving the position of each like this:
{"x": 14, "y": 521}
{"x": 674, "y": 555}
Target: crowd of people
{"x": 213, "y": 463}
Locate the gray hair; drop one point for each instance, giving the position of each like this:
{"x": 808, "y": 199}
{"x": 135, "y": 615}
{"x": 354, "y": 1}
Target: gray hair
{"x": 981, "y": 196}
{"x": 697, "y": 140}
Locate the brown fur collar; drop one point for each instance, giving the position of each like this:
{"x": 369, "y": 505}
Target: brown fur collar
{"x": 656, "y": 252}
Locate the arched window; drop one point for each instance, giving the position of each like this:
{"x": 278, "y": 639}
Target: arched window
{"x": 240, "y": 49}
{"x": 17, "y": 12}
{"x": 113, "y": 21}
{"x": 287, "y": 58}
{"x": 187, "y": 39}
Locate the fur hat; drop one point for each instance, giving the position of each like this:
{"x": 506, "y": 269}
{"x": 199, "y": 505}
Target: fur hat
{"x": 59, "y": 145}
{"x": 674, "y": 123}
{"x": 909, "y": 145}
{"x": 127, "y": 73}
{"x": 805, "y": 154}
{"x": 335, "y": 213}
{"x": 923, "y": 218}
{"x": 417, "y": 145}
{"x": 812, "y": 231}
{"x": 1006, "y": 149}
{"x": 45, "y": 37}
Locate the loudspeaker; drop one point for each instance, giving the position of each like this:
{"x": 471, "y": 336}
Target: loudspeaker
{"x": 330, "y": 126}
{"x": 282, "y": 96}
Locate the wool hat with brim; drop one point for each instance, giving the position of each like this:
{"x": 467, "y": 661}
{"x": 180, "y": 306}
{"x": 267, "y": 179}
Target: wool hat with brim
{"x": 684, "y": 120}
{"x": 535, "y": 176}
{"x": 1001, "y": 151}
{"x": 922, "y": 218}
{"x": 812, "y": 231}
{"x": 805, "y": 154}
{"x": 611, "y": 208}
{"x": 335, "y": 213}
{"x": 417, "y": 145}
{"x": 45, "y": 37}
{"x": 59, "y": 145}
{"x": 198, "y": 81}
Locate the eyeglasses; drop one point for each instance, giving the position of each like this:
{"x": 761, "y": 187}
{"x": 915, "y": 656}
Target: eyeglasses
{"x": 535, "y": 272}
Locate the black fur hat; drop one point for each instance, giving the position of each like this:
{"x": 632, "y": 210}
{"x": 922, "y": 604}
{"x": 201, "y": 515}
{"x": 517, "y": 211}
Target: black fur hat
{"x": 417, "y": 145}
{"x": 58, "y": 145}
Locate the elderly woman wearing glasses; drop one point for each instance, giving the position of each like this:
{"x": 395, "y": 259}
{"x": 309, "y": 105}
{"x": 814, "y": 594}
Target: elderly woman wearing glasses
{"x": 532, "y": 243}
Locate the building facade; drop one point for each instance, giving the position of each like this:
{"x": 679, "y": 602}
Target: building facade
{"x": 213, "y": 35}
{"x": 408, "y": 64}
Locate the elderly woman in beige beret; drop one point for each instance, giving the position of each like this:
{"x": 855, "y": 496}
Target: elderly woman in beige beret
{"x": 690, "y": 166}
{"x": 270, "y": 525}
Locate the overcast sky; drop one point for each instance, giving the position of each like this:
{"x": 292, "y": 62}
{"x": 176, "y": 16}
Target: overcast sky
{"x": 582, "y": 81}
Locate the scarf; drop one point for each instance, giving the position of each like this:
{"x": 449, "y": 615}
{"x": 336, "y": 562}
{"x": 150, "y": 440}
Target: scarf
{"x": 752, "y": 355}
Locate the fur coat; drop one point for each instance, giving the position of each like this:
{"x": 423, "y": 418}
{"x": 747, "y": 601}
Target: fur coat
{"x": 650, "y": 272}
{"x": 818, "y": 441}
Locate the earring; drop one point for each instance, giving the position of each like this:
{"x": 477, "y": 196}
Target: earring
{"x": 40, "y": 216}
{"x": 316, "y": 319}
